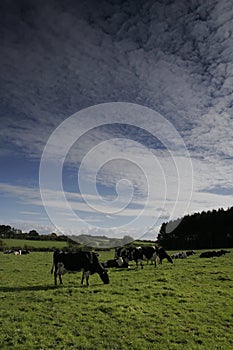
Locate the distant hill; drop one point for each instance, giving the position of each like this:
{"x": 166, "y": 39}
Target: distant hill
{"x": 101, "y": 241}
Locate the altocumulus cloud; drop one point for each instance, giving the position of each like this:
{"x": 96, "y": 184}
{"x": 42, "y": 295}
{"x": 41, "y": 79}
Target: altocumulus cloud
{"x": 175, "y": 57}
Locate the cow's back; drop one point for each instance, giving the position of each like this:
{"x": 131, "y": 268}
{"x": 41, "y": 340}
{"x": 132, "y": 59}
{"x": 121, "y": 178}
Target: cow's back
{"x": 74, "y": 261}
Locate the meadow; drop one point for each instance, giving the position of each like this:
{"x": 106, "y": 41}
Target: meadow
{"x": 23, "y": 243}
{"x": 187, "y": 305}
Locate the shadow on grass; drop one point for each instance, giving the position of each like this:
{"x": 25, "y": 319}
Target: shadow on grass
{"x": 26, "y": 288}
{"x": 47, "y": 287}
{"x": 120, "y": 269}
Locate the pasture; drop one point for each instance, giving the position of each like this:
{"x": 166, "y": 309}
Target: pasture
{"x": 187, "y": 305}
{"x": 22, "y": 243}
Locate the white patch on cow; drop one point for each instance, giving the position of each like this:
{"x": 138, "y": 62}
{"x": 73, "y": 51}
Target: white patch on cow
{"x": 120, "y": 261}
{"x": 17, "y": 252}
{"x": 61, "y": 269}
{"x": 179, "y": 255}
{"x": 154, "y": 256}
{"x": 87, "y": 273}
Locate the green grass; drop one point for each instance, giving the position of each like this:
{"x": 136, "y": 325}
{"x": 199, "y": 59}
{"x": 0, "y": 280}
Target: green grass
{"x": 31, "y": 243}
{"x": 187, "y": 305}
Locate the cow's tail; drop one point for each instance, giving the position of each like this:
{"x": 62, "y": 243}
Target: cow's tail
{"x": 52, "y": 268}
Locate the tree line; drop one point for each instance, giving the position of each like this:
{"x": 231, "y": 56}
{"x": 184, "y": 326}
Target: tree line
{"x": 211, "y": 229}
{"x": 6, "y": 231}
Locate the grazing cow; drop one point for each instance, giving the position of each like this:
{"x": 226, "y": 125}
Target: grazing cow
{"x": 162, "y": 254}
{"x": 81, "y": 261}
{"x": 119, "y": 262}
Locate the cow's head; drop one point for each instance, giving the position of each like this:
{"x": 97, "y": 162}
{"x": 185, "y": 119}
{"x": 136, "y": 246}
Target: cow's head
{"x": 104, "y": 276}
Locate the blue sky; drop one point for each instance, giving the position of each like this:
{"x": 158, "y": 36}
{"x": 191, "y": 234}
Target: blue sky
{"x": 60, "y": 58}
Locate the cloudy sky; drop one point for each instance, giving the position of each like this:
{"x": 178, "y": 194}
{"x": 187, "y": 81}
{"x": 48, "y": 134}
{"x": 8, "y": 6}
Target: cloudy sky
{"x": 115, "y": 115}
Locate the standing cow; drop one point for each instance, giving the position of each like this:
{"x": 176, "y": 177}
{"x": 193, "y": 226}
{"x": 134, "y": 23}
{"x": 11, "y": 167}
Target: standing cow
{"x": 81, "y": 261}
{"x": 162, "y": 254}
{"x": 144, "y": 253}
{"x": 138, "y": 254}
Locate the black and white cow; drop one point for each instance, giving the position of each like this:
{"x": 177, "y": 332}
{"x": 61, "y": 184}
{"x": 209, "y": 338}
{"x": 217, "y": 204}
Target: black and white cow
{"x": 87, "y": 262}
{"x": 179, "y": 255}
{"x": 144, "y": 253}
{"x": 190, "y": 252}
{"x": 162, "y": 254}
{"x": 123, "y": 252}
{"x": 149, "y": 254}
{"x": 137, "y": 254}
{"x": 118, "y": 262}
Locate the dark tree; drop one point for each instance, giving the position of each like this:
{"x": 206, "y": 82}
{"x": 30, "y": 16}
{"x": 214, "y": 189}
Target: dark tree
{"x": 211, "y": 229}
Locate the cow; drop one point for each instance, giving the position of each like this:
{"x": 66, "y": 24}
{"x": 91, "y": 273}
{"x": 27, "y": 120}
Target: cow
{"x": 212, "y": 253}
{"x": 17, "y": 252}
{"x": 21, "y": 252}
{"x": 8, "y": 251}
{"x": 190, "y": 252}
{"x": 138, "y": 254}
{"x": 25, "y": 252}
{"x": 179, "y": 255}
{"x": 162, "y": 254}
{"x": 149, "y": 254}
{"x": 119, "y": 262}
{"x": 87, "y": 262}
{"x": 123, "y": 252}
{"x": 144, "y": 253}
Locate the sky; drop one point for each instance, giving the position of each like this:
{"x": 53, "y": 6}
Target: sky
{"x": 115, "y": 115}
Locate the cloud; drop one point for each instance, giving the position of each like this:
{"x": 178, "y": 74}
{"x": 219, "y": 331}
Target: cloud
{"x": 165, "y": 57}
{"x": 29, "y": 213}
{"x": 174, "y": 57}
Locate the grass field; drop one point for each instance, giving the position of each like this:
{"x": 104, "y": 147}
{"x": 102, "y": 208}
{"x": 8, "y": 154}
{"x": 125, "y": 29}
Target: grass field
{"x": 187, "y": 305}
{"x": 22, "y": 243}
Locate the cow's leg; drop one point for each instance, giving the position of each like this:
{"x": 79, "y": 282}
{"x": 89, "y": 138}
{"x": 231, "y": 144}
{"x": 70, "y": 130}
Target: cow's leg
{"x": 55, "y": 275}
{"x": 55, "y": 278}
{"x": 60, "y": 278}
{"x": 87, "y": 280}
{"x": 86, "y": 275}
{"x": 82, "y": 279}
{"x": 154, "y": 258}
{"x": 141, "y": 263}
